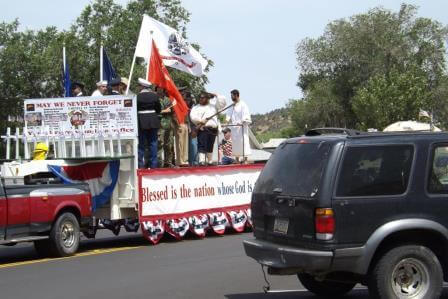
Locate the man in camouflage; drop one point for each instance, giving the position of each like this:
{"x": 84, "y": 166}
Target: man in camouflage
{"x": 166, "y": 132}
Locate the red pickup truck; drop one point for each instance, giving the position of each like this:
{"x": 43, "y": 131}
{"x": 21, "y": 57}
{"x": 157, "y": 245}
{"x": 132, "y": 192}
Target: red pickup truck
{"x": 50, "y": 215}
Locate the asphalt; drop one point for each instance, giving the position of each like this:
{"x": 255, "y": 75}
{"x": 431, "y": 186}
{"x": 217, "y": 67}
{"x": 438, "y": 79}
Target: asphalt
{"x": 128, "y": 267}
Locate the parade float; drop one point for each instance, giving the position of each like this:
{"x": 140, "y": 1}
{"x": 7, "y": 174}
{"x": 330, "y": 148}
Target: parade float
{"x": 94, "y": 140}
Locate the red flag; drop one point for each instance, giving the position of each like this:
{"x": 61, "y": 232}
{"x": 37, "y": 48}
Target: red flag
{"x": 158, "y": 75}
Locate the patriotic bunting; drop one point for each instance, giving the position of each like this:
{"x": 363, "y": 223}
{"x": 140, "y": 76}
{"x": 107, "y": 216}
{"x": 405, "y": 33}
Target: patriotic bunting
{"x": 199, "y": 225}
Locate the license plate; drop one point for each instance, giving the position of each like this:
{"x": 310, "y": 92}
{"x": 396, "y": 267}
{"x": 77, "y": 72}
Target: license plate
{"x": 281, "y": 225}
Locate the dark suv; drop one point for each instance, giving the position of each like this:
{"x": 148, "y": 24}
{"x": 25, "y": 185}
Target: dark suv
{"x": 351, "y": 207}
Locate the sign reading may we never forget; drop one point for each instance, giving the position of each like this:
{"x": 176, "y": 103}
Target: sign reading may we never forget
{"x": 110, "y": 114}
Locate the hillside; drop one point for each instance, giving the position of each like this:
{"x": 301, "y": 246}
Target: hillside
{"x": 271, "y": 124}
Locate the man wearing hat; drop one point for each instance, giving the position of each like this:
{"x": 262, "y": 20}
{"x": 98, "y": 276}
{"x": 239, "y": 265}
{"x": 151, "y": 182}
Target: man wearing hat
{"x": 124, "y": 83}
{"x": 77, "y": 88}
{"x": 101, "y": 89}
{"x": 204, "y": 116}
{"x": 148, "y": 109}
{"x": 115, "y": 86}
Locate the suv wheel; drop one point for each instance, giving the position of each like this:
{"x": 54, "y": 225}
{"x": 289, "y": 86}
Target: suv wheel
{"x": 409, "y": 271}
{"x": 64, "y": 236}
{"x": 325, "y": 288}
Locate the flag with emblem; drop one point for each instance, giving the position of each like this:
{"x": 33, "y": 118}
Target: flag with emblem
{"x": 174, "y": 49}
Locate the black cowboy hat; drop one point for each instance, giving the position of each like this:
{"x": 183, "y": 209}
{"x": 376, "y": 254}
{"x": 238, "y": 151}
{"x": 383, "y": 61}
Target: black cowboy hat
{"x": 77, "y": 84}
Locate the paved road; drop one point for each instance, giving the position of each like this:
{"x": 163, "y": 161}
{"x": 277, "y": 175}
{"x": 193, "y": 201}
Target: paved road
{"x": 127, "y": 267}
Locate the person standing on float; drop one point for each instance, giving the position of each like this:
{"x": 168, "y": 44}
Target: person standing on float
{"x": 205, "y": 118}
{"x": 77, "y": 89}
{"x": 239, "y": 119}
{"x": 148, "y": 110}
{"x": 101, "y": 89}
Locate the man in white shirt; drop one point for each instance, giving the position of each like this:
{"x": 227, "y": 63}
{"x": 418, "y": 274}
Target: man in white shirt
{"x": 239, "y": 119}
{"x": 203, "y": 116}
{"x": 101, "y": 89}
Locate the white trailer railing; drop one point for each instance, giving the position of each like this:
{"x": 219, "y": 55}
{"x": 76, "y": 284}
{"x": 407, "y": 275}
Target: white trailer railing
{"x": 75, "y": 144}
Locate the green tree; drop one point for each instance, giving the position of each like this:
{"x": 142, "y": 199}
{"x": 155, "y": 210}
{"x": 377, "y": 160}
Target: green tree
{"x": 387, "y": 99}
{"x": 440, "y": 108}
{"x": 320, "y": 108}
{"x": 29, "y": 68}
{"x": 28, "y": 65}
{"x": 368, "y": 60}
{"x": 117, "y": 28}
{"x": 32, "y": 60}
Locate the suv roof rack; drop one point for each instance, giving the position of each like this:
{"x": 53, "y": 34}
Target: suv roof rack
{"x": 323, "y": 131}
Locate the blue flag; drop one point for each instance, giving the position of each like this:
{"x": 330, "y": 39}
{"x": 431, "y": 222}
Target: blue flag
{"x": 67, "y": 82}
{"x": 108, "y": 70}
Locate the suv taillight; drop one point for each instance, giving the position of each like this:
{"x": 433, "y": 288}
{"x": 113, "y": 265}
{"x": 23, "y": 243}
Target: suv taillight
{"x": 324, "y": 222}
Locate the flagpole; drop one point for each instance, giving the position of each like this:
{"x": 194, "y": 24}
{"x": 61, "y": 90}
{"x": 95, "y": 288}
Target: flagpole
{"x": 149, "y": 56}
{"x": 101, "y": 61}
{"x": 63, "y": 57}
{"x": 64, "y": 66}
{"x": 147, "y": 67}
{"x": 132, "y": 70}
{"x": 130, "y": 74}
{"x": 133, "y": 62}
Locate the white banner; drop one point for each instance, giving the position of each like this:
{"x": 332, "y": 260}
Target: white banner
{"x": 92, "y": 114}
{"x": 176, "y": 52}
{"x": 168, "y": 194}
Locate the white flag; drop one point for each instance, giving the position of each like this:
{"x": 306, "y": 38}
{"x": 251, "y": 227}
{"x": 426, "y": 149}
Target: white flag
{"x": 176, "y": 52}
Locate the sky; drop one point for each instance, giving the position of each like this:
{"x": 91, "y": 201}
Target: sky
{"x": 252, "y": 42}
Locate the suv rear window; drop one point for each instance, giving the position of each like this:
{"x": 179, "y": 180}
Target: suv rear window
{"x": 375, "y": 170}
{"x": 295, "y": 168}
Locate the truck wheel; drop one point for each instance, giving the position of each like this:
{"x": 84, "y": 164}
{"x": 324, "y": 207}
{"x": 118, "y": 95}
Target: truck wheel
{"x": 410, "y": 271}
{"x": 64, "y": 235}
{"x": 325, "y": 288}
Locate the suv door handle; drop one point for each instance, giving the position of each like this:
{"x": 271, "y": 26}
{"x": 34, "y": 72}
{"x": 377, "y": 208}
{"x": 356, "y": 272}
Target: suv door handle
{"x": 281, "y": 200}
{"x": 277, "y": 190}
{"x": 343, "y": 203}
